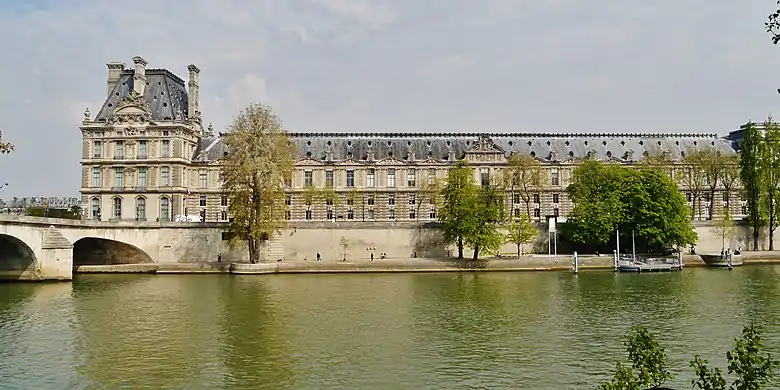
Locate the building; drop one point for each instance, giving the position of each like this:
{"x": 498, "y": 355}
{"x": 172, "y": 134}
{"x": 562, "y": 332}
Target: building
{"x": 148, "y": 157}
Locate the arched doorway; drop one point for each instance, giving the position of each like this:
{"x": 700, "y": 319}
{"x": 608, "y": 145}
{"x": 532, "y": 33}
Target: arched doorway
{"x": 102, "y": 251}
{"x": 16, "y": 258}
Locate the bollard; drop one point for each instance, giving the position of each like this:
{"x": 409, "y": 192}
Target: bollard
{"x": 728, "y": 259}
{"x": 615, "y": 259}
{"x": 575, "y": 263}
{"x": 680, "y": 258}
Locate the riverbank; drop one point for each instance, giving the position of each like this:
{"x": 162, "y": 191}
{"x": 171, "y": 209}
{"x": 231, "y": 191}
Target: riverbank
{"x": 524, "y": 264}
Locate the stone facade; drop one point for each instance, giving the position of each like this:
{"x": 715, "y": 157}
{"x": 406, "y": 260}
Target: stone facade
{"x": 147, "y": 157}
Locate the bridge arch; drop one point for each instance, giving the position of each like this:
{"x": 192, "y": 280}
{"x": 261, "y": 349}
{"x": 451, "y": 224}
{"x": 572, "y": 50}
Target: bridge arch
{"x": 103, "y": 251}
{"x": 16, "y": 257}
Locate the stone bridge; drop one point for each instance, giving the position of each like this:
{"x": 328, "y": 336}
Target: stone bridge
{"x": 33, "y": 248}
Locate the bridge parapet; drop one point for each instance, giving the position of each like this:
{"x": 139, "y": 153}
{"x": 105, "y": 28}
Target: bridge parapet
{"x": 74, "y": 223}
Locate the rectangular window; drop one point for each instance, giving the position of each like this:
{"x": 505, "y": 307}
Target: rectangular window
{"x": 350, "y": 201}
{"x": 165, "y": 209}
{"x": 203, "y": 178}
{"x": 140, "y": 209}
{"x": 96, "y": 177}
{"x": 223, "y": 215}
{"x": 120, "y": 150}
{"x": 288, "y": 200}
{"x": 119, "y": 176}
{"x": 555, "y": 212}
{"x": 350, "y": 178}
{"x": 97, "y": 149}
{"x": 142, "y": 149}
{"x": 515, "y": 198}
{"x": 350, "y": 214}
{"x": 307, "y": 178}
{"x": 536, "y": 198}
{"x": 555, "y": 198}
{"x": 391, "y": 199}
{"x": 329, "y": 201}
{"x": 432, "y": 214}
{"x": 412, "y": 199}
{"x": 370, "y": 200}
{"x": 287, "y": 215}
{"x": 431, "y": 175}
{"x": 166, "y": 148}
{"x": 370, "y": 214}
{"x": 329, "y": 214}
{"x": 165, "y": 176}
{"x": 411, "y": 177}
{"x": 329, "y": 178}
{"x": 308, "y": 215}
{"x": 411, "y": 214}
{"x": 223, "y": 201}
{"x": 118, "y": 208}
{"x": 554, "y": 177}
{"x": 370, "y": 177}
{"x": 391, "y": 214}
{"x": 142, "y": 177}
{"x": 484, "y": 177}
{"x": 203, "y": 201}
{"x": 391, "y": 177}
{"x": 517, "y": 213}
{"x": 536, "y": 213}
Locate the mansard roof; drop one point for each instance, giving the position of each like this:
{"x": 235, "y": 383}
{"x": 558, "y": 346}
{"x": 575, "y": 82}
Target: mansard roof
{"x": 165, "y": 93}
{"x": 438, "y": 146}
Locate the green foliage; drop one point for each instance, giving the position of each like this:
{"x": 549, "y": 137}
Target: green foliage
{"x": 487, "y": 214}
{"x": 459, "y": 198}
{"x": 71, "y": 213}
{"x": 524, "y": 175}
{"x": 648, "y": 357}
{"x": 520, "y": 232}
{"x": 623, "y": 379}
{"x": 770, "y": 172}
{"x": 750, "y": 175}
{"x": 345, "y": 245}
{"x": 752, "y": 368}
{"x": 724, "y": 228}
{"x": 706, "y": 378}
{"x": 646, "y": 201}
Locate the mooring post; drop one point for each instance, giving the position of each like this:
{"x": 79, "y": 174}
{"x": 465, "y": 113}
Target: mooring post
{"x": 680, "y": 257}
{"x": 575, "y": 263}
{"x": 615, "y": 259}
{"x": 728, "y": 259}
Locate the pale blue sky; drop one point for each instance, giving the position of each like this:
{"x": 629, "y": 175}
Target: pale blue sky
{"x": 385, "y": 65}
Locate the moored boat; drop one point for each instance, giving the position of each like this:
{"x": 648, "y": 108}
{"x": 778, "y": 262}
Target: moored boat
{"x": 720, "y": 259}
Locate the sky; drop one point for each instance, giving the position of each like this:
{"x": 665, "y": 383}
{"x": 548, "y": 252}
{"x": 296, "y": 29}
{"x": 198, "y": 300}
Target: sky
{"x": 553, "y": 66}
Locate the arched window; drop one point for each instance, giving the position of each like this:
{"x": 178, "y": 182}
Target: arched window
{"x": 118, "y": 208}
{"x": 165, "y": 209}
{"x": 140, "y": 208}
{"x": 95, "y": 208}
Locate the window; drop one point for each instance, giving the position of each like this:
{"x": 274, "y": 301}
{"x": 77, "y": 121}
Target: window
{"x": 515, "y": 198}
{"x": 431, "y": 175}
{"x": 391, "y": 199}
{"x": 119, "y": 175}
{"x": 288, "y": 200}
{"x": 555, "y": 198}
{"x": 307, "y": 179}
{"x": 484, "y": 177}
{"x": 370, "y": 200}
{"x": 95, "y": 208}
{"x": 95, "y": 177}
{"x": 165, "y": 176}
{"x": 142, "y": 149}
{"x": 308, "y": 215}
{"x": 223, "y": 201}
{"x": 391, "y": 214}
{"x": 329, "y": 201}
{"x": 391, "y": 177}
{"x": 555, "y": 212}
{"x": 432, "y": 214}
{"x": 350, "y": 178}
{"x": 118, "y": 208}
{"x": 165, "y": 209}
{"x": 97, "y": 149}
{"x": 203, "y": 201}
{"x": 516, "y": 213}
{"x": 142, "y": 177}
{"x": 536, "y": 198}
{"x": 350, "y": 214}
{"x": 329, "y": 214}
{"x": 412, "y": 199}
{"x": 350, "y": 201}
{"x": 223, "y": 215}
{"x": 554, "y": 177}
{"x": 411, "y": 178}
{"x": 370, "y": 175}
{"x": 411, "y": 214}
{"x": 329, "y": 178}
{"x": 370, "y": 214}
{"x": 166, "y": 148}
{"x": 203, "y": 178}
{"x": 120, "y": 150}
{"x": 140, "y": 209}
{"x": 536, "y": 213}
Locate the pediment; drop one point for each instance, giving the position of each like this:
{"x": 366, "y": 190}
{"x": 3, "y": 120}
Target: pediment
{"x": 390, "y": 161}
{"x": 133, "y": 109}
{"x": 484, "y": 145}
{"x": 308, "y": 161}
{"x": 428, "y": 161}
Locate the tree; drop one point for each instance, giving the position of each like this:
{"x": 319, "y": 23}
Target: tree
{"x": 596, "y": 192}
{"x": 520, "y": 232}
{"x": 752, "y": 368}
{"x": 430, "y": 192}
{"x": 713, "y": 163}
{"x": 258, "y": 163}
{"x": 488, "y": 212}
{"x": 649, "y": 363}
{"x": 729, "y": 176}
{"x": 725, "y": 228}
{"x": 330, "y": 196}
{"x": 5, "y": 147}
{"x": 751, "y": 176}
{"x": 693, "y": 177}
{"x": 344, "y": 243}
{"x": 770, "y": 169}
{"x": 524, "y": 176}
{"x": 459, "y": 197}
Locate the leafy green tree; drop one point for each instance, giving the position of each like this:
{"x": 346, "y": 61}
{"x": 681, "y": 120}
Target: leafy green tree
{"x": 752, "y": 368}
{"x": 725, "y": 228}
{"x": 770, "y": 169}
{"x": 649, "y": 363}
{"x": 521, "y": 232}
{"x": 258, "y": 163}
{"x": 751, "y": 177}
{"x": 693, "y": 177}
{"x": 623, "y": 379}
{"x": 459, "y": 198}
{"x": 524, "y": 175}
{"x": 599, "y": 209}
{"x": 488, "y": 212}
{"x": 706, "y": 378}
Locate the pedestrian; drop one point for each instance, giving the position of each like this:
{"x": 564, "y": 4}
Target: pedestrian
{"x": 372, "y": 256}
{"x": 318, "y": 256}
{"x": 219, "y": 258}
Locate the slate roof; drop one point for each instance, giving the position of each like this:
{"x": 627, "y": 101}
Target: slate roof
{"x": 165, "y": 92}
{"x": 559, "y": 147}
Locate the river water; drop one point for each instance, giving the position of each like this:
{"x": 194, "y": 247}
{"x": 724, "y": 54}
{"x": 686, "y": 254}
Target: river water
{"x": 545, "y": 330}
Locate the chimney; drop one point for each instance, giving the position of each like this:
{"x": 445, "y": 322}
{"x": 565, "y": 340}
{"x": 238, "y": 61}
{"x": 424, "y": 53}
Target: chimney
{"x": 139, "y": 77}
{"x": 193, "y": 103}
{"x": 114, "y": 74}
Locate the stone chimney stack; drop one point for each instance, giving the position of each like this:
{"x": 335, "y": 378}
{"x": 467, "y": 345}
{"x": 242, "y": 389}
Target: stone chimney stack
{"x": 114, "y": 74}
{"x": 139, "y": 78}
{"x": 193, "y": 106}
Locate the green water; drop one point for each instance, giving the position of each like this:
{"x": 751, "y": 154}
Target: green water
{"x": 549, "y": 330}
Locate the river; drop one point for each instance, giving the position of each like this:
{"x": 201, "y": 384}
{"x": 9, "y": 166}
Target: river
{"x": 543, "y": 330}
